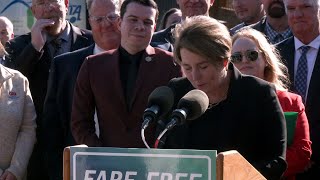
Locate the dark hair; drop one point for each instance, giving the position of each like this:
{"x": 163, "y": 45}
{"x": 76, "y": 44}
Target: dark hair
{"x": 204, "y": 36}
{"x": 148, "y": 3}
{"x": 165, "y": 17}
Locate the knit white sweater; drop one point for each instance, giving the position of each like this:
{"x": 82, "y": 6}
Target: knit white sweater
{"x": 17, "y": 122}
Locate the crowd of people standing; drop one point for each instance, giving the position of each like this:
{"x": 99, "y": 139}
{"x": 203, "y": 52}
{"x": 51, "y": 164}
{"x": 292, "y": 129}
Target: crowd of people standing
{"x": 61, "y": 85}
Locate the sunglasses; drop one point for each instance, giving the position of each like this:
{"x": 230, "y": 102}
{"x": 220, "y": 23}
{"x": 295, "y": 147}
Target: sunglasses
{"x": 251, "y": 55}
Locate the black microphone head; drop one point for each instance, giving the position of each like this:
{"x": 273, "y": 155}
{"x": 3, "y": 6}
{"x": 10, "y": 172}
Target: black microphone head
{"x": 196, "y": 102}
{"x": 163, "y": 98}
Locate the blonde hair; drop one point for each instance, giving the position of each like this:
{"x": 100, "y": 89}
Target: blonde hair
{"x": 275, "y": 71}
{"x": 204, "y": 36}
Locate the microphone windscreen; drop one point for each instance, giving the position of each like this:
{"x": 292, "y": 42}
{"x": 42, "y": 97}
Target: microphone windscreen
{"x": 196, "y": 102}
{"x": 163, "y": 97}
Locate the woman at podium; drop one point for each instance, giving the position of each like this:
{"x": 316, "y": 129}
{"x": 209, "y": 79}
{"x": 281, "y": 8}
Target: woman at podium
{"x": 243, "y": 114}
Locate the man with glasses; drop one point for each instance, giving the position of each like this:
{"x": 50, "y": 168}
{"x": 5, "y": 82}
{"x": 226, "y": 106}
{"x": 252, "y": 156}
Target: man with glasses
{"x": 103, "y": 18}
{"x": 32, "y": 53}
{"x": 116, "y": 84}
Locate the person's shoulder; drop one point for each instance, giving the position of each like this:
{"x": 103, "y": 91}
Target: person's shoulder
{"x": 288, "y": 96}
{"x": 259, "y": 25}
{"x": 73, "y": 56}
{"x": 250, "y": 81}
{"x": 234, "y": 29}
{"x": 12, "y": 73}
{"x": 285, "y": 43}
{"x": 106, "y": 56}
{"x": 163, "y": 52}
{"x": 19, "y": 40}
{"x": 82, "y": 32}
{"x": 163, "y": 35}
{"x": 290, "y": 101}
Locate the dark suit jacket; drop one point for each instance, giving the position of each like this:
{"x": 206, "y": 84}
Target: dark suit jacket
{"x": 260, "y": 26}
{"x": 99, "y": 85}
{"x": 164, "y": 39}
{"x": 287, "y": 52}
{"x": 57, "y": 107}
{"x": 250, "y": 121}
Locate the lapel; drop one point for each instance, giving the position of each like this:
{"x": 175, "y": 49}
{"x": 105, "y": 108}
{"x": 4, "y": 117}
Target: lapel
{"x": 288, "y": 53}
{"x": 4, "y": 75}
{"x": 114, "y": 72}
{"x": 78, "y": 40}
{"x": 314, "y": 85}
{"x": 146, "y": 64}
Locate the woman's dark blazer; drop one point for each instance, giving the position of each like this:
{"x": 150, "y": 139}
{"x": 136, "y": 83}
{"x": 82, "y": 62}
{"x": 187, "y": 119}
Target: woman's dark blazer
{"x": 250, "y": 121}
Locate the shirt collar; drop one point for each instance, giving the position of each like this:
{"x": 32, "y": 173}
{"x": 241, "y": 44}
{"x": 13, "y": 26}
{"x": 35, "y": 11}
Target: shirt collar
{"x": 313, "y": 44}
{"x": 64, "y": 35}
{"x": 97, "y": 49}
{"x": 271, "y": 34}
{"x": 127, "y": 57}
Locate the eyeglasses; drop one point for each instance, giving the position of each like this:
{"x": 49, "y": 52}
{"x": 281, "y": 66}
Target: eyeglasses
{"x": 48, "y": 3}
{"x": 251, "y": 55}
{"x": 110, "y": 18}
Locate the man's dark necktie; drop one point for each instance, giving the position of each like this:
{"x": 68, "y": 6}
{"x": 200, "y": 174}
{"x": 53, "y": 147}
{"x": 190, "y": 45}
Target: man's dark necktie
{"x": 300, "y": 82}
{"x": 56, "y": 44}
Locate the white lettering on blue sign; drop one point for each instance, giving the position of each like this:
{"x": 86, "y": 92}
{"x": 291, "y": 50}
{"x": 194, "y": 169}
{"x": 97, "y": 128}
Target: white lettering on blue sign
{"x": 115, "y": 175}
{"x": 169, "y": 176}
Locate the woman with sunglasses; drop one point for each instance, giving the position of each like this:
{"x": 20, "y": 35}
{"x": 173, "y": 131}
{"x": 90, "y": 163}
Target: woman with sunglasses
{"x": 253, "y": 55}
{"x": 242, "y": 109}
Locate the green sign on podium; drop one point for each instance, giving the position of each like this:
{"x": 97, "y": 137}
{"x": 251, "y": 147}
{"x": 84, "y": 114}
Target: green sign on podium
{"x": 88, "y": 163}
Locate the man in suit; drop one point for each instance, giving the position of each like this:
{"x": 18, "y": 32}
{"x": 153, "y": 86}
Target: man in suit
{"x": 164, "y": 39}
{"x": 302, "y": 57}
{"x": 32, "y": 54}
{"x": 275, "y": 24}
{"x": 103, "y": 16}
{"x": 117, "y": 83}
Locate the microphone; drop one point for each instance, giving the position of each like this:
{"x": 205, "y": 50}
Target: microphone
{"x": 160, "y": 102}
{"x": 190, "y": 107}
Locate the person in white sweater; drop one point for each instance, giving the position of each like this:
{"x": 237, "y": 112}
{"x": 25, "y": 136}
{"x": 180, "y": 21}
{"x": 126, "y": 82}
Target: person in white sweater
{"x": 17, "y": 124}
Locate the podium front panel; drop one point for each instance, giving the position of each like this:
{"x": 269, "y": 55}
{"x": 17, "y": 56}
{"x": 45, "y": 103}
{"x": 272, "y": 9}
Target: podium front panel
{"x": 141, "y": 164}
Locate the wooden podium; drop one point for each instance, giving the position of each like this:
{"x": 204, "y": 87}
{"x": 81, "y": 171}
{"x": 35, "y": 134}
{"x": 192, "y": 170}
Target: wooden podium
{"x": 230, "y": 165}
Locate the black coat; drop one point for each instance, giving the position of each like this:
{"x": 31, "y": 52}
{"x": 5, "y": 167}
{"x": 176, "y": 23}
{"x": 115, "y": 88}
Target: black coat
{"x": 250, "y": 121}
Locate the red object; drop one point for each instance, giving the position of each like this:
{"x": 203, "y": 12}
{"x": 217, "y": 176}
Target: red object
{"x": 299, "y": 152}
{"x": 12, "y": 93}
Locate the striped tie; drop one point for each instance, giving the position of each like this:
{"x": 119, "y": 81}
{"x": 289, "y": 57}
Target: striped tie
{"x": 300, "y": 82}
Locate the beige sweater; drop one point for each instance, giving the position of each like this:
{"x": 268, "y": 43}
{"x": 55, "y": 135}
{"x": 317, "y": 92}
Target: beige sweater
{"x": 17, "y": 122}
